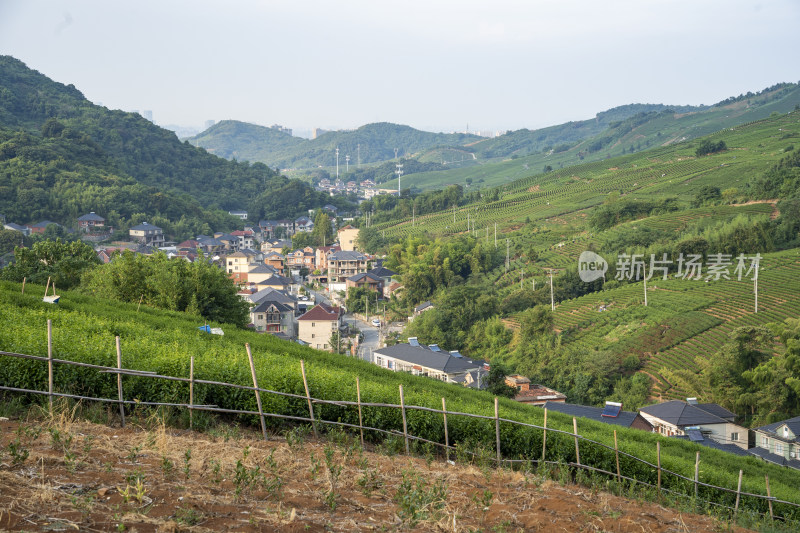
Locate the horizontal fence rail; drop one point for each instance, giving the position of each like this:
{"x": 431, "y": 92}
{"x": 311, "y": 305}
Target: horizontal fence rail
{"x": 448, "y": 446}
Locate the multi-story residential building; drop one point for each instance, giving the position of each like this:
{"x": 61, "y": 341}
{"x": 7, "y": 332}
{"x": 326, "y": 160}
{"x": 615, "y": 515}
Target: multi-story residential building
{"x": 246, "y": 238}
{"x": 301, "y": 258}
{"x": 147, "y": 234}
{"x": 272, "y": 316}
{"x": 779, "y": 442}
{"x": 342, "y": 265}
{"x": 237, "y": 265}
{"x": 348, "y": 237}
{"x": 316, "y": 326}
{"x": 91, "y": 223}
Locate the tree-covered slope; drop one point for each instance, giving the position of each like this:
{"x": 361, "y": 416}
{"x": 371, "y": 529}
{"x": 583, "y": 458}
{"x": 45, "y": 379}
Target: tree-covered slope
{"x": 62, "y": 156}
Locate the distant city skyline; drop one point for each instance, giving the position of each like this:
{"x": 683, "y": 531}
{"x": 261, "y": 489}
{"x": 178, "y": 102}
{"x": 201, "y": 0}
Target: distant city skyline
{"x": 434, "y": 66}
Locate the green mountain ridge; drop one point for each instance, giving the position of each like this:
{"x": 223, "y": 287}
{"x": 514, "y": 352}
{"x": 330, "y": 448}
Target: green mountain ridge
{"x": 62, "y": 156}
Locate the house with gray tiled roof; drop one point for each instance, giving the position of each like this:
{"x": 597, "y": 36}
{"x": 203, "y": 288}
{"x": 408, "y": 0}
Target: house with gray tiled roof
{"x": 147, "y": 234}
{"x": 431, "y": 361}
{"x": 273, "y": 316}
{"x": 677, "y": 417}
{"x": 615, "y": 417}
{"x": 25, "y": 230}
{"x": 91, "y": 222}
{"x": 779, "y": 442}
{"x": 342, "y": 265}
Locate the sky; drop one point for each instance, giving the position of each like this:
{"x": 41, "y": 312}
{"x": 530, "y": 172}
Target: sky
{"x": 436, "y": 65}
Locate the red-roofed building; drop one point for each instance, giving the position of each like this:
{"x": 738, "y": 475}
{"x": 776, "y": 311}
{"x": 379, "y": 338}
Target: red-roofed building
{"x": 316, "y": 326}
{"x": 533, "y": 394}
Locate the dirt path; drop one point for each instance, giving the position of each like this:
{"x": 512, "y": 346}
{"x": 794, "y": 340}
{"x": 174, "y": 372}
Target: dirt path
{"x": 62, "y": 475}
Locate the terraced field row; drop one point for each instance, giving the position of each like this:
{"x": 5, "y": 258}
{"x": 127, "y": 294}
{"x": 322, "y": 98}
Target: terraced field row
{"x": 734, "y": 306}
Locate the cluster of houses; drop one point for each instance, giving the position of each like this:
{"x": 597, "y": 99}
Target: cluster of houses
{"x": 707, "y": 424}
{"x": 365, "y": 189}
{"x": 268, "y": 272}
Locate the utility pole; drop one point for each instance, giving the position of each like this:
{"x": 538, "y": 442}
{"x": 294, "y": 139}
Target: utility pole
{"x": 495, "y": 235}
{"x": 347, "y": 163}
{"x": 454, "y": 214}
{"x": 399, "y": 176}
{"x": 644, "y": 269}
{"x": 755, "y": 287}
{"x": 552, "y": 299}
{"x": 508, "y": 262}
{"x": 337, "y": 163}
{"x": 413, "y": 215}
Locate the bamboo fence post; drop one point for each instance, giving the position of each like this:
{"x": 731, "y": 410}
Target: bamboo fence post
{"x": 446, "y": 438}
{"x": 544, "y": 435}
{"x": 50, "y": 364}
{"x": 769, "y": 498}
{"x": 308, "y": 397}
{"x": 403, "y": 411}
{"x": 658, "y": 462}
{"x": 575, "y": 430}
{"x": 497, "y": 429}
{"x": 360, "y": 420}
{"x": 616, "y": 452}
{"x": 258, "y": 394}
{"x": 47, "y": 287}
{"x": 191, "y": 393}
{"x": 140, "y": 302}
{"x": 23, "y": 284}
{"x": 738, "y": 494}
{"x": 119, "y": 383}
{"x": 696, "y": 473}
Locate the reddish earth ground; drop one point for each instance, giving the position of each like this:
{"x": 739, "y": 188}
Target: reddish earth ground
{"x": 62, "y": 474}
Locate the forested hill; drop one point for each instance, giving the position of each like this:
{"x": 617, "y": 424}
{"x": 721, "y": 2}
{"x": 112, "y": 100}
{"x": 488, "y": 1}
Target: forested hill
{"x": 372, "y": 142}
{"x": 62, "y": 156}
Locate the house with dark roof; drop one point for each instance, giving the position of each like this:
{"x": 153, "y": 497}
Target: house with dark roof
{"x": 342, "y": 265}
{"x": 25, "y": 230}
{"x": 677, "y": 417}
{"x": 433, "y": 362}
{"x": 272, "y": 316}
{"x": 424, "y": 306}
{"x": 147, "y": 234}
{"x": 304, "y": 224}
{"x": 316, "y": 326}
{"x": 91, "y": 222}
{"x": 271, "y": 294}
{"x": 364, "y": 280}
{"x": 41, "y": 226}
{"x": 779, "y": 442}
{"x": 612, "y": 414}
{"x": 698, "y": 438}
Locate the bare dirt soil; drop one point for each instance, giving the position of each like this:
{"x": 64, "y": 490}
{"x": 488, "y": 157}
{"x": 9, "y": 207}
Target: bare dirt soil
{"x": 62, "y": 474}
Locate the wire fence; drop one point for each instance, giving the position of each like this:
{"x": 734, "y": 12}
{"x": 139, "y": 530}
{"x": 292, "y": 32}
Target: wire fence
{"x": 447, "y": 446}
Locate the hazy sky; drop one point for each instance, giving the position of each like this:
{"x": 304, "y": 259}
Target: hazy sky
{"x": 433, "y": 64}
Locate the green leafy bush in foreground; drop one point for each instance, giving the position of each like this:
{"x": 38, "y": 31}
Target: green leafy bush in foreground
{"x": 162, "y": 341}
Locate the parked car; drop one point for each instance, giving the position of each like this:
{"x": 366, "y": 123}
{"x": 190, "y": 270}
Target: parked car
{"x": 376, "y": 322}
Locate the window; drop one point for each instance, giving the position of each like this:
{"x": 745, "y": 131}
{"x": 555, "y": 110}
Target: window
{"x": 764, "y": 442}
{"x": 313, "y": 325}
{"x": 785, "y": 432}
{"x": 778, "y": 448}
{"x": 325, "y": 346}
{"x": 734, "y": 437}
{"x": 313, "y": 335}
